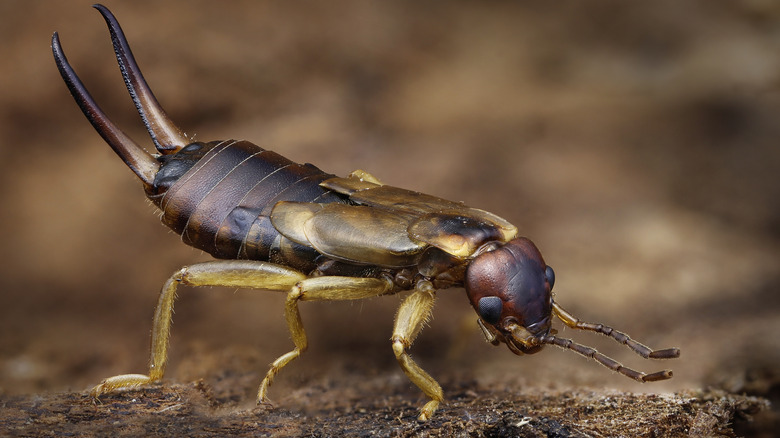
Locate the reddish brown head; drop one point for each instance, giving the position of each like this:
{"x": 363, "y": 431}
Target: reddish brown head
{"x": 510, "y": 287}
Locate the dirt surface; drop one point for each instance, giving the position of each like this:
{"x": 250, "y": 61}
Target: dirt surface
{"x": 196, "y": 410}
{"x": 635, "y": 144}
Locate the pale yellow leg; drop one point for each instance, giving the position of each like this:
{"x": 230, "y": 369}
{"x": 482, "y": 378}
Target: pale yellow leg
{"x": 412, "y": 314}
{"x": 318, "y": 289}
{"x": 230, "y": 273}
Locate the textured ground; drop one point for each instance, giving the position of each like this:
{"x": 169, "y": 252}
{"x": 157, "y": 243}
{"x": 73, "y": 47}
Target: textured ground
{"x": 195, "y": 410}
{"x": 636, "y": 144}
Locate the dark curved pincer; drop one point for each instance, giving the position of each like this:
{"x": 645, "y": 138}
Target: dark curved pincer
{"x": 167, "y": 137}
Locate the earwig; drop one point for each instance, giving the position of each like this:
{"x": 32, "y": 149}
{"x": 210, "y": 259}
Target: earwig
{"x": 273, "y": 224}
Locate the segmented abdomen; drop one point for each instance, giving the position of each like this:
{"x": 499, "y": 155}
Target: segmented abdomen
{"x": 222, "y": 204}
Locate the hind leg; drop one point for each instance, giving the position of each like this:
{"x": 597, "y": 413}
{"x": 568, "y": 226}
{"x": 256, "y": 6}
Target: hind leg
{"x": 230, "y": 273}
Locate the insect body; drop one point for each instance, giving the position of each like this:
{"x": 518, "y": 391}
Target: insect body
{"x": 277, "y": 225}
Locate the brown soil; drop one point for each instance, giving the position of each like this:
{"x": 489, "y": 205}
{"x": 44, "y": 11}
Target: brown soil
{"x": 196, "y": 409}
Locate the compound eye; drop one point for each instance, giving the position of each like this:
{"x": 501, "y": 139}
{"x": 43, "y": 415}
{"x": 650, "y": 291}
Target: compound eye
{"x": 550, "y": 275}
{"x": 490, "y": 309}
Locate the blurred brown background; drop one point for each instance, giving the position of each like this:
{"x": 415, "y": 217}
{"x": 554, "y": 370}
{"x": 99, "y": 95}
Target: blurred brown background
{"x": 635, "y": 143}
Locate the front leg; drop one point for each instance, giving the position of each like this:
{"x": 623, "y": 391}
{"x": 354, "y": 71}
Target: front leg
{"x": 230, "y": 273}
{"x": 409, "y": 320}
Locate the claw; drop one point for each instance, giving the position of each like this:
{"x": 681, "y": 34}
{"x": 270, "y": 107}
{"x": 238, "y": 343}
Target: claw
{"x": 167, "y": 137}
{"x": 136, "y": 158}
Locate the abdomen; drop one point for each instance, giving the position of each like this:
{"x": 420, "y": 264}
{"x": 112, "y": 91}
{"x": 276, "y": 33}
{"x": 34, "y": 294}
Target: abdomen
{"x": 222, "y": 203}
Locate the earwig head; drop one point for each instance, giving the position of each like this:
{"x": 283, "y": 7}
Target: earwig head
{"x": 510, "y": 287}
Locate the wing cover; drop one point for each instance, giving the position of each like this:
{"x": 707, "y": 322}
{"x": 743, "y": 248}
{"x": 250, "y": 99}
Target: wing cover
{"x": 457, "y": 218}
{"x": 389, "y": 226}
{"x": 354, "y": 233}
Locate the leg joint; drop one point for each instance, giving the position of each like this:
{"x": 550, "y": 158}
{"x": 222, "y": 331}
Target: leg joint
{"x": 181, "y": 275}
{"x": 399, "y": 346}
{"x": 296, "y": 293}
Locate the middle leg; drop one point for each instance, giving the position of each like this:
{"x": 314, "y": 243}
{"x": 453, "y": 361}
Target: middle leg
{"x": 329, "y": 288}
